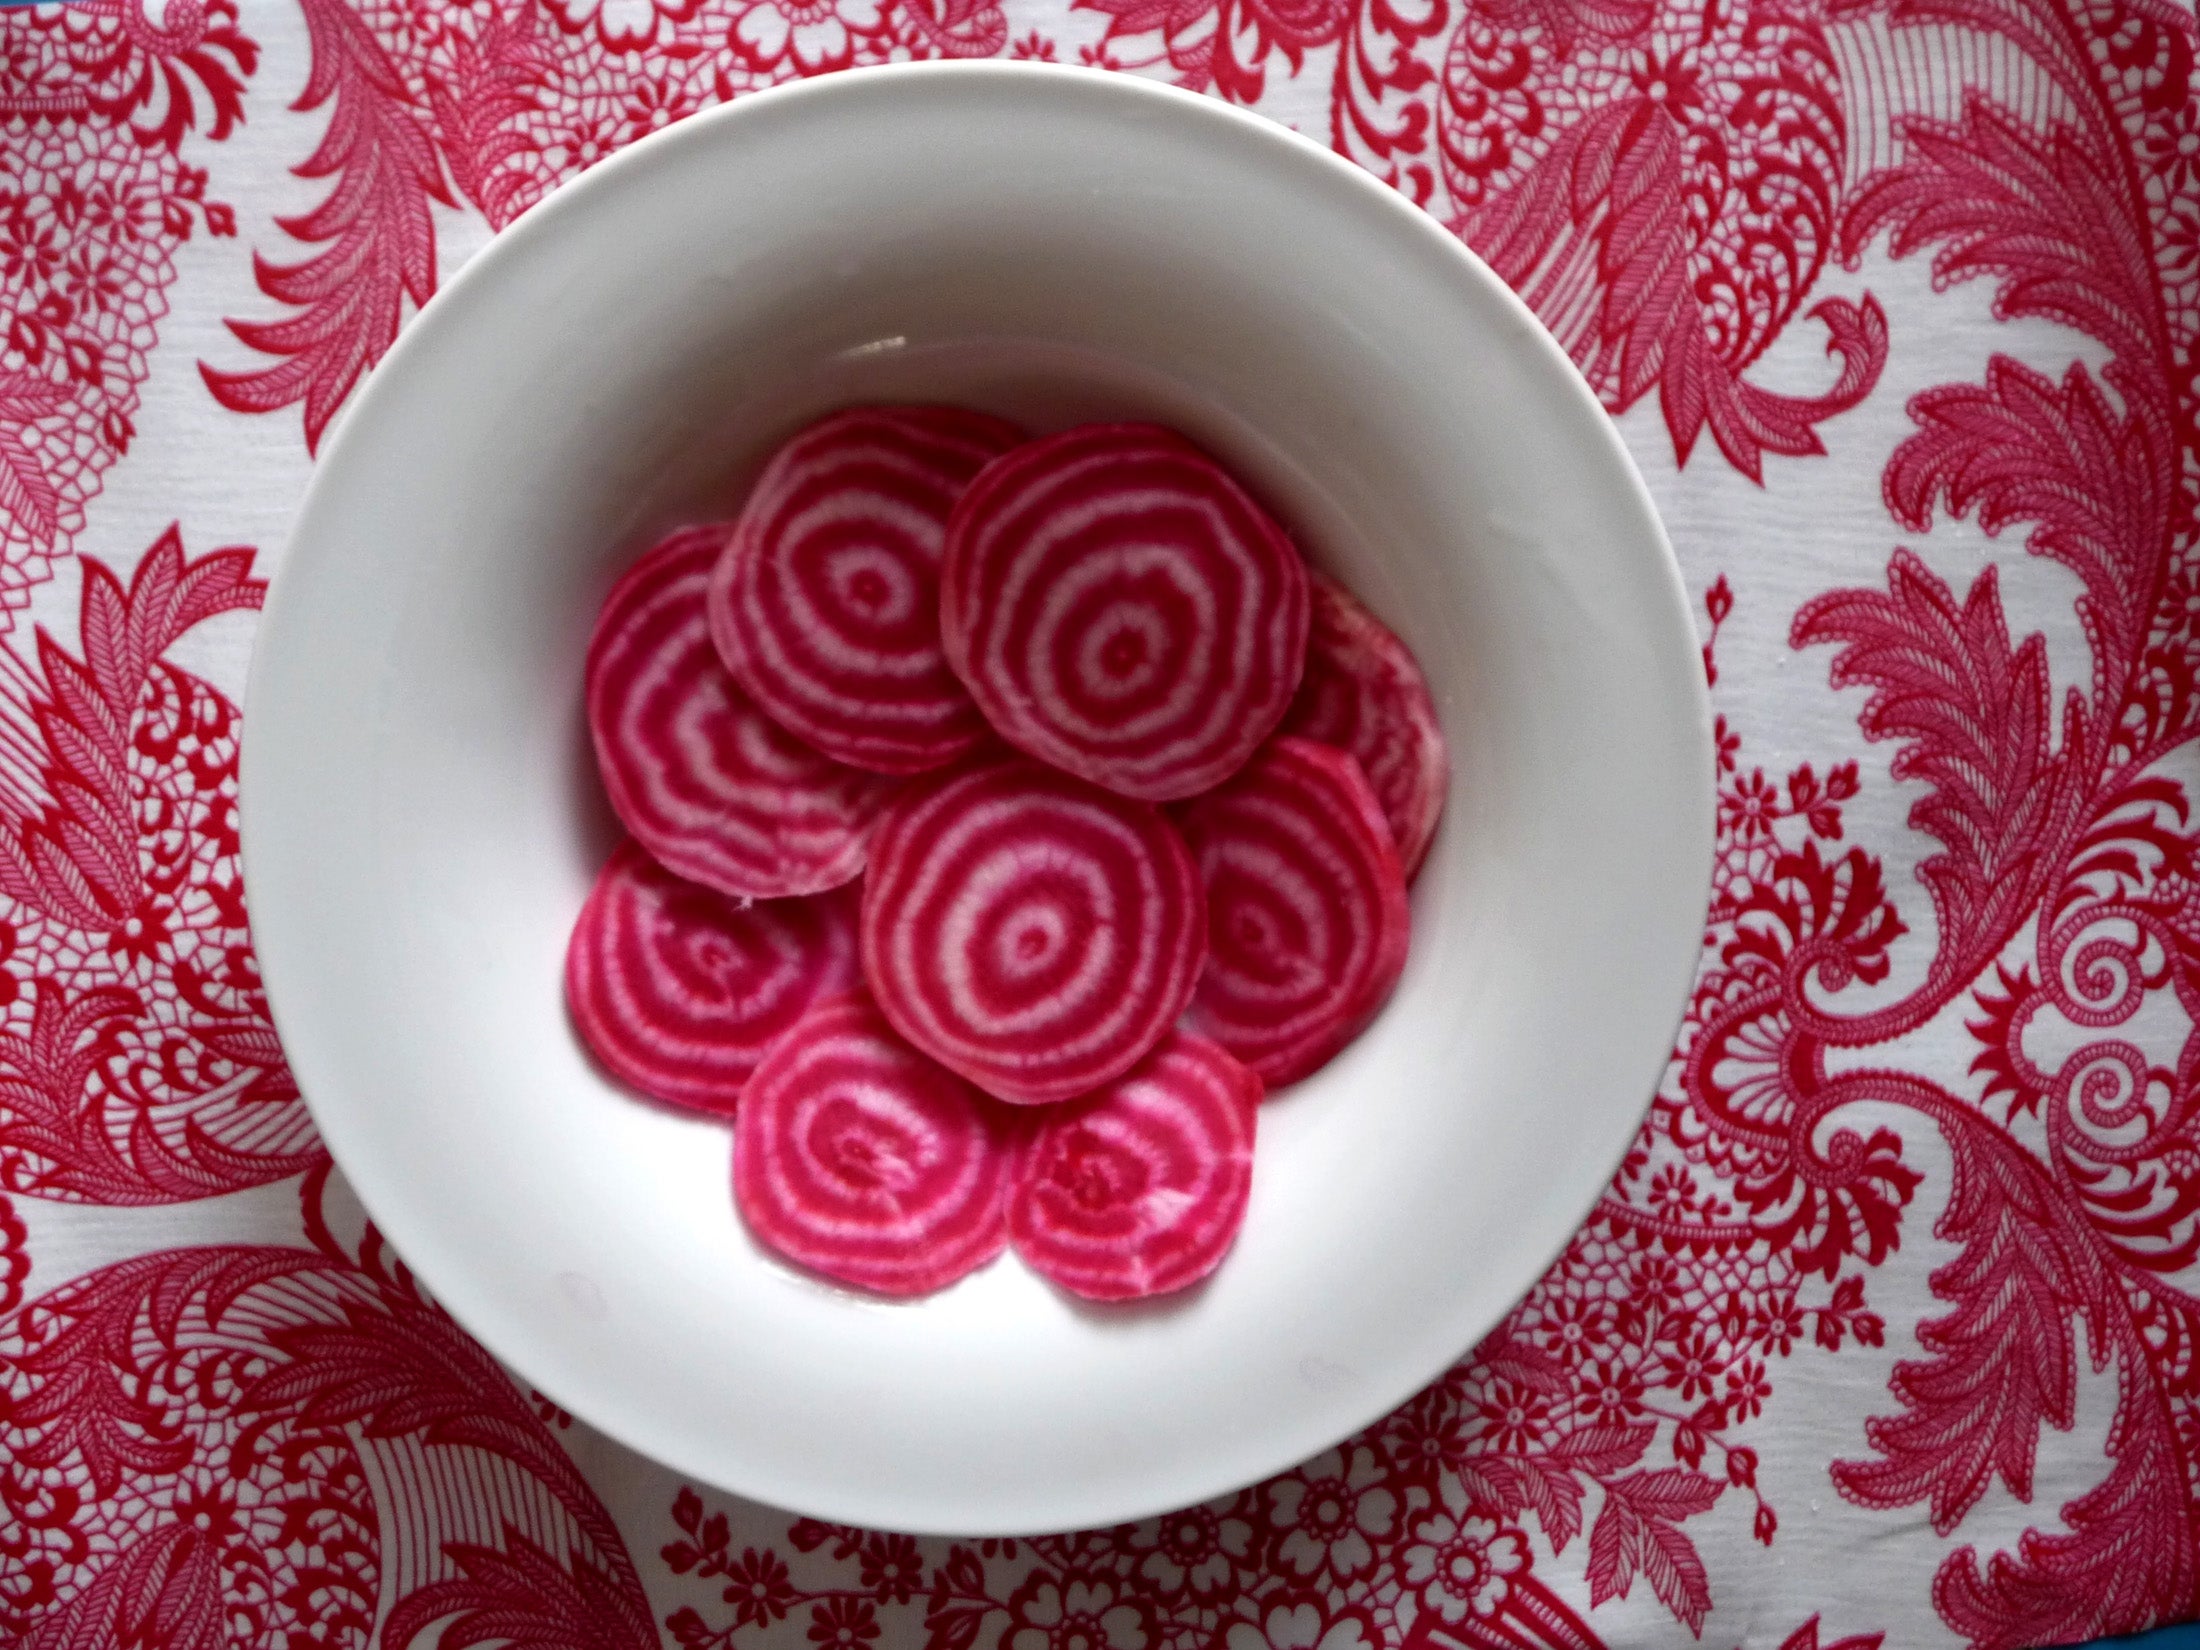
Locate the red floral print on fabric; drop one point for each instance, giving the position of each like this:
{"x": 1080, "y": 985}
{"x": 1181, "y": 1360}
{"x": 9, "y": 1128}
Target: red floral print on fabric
{"x": 1673, "y": 188}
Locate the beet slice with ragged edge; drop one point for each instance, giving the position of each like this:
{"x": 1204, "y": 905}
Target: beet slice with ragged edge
{"x": 860, "y": 1159}
{"x": 715, "y": 790}
{"x": 1364, "y": 693}
{"x": 1119, "y": 607}
{"x": 1033, "y": 932}
{"x": 825, "y": 602}
{"x": 678, "y": 989}
{"x": 1140, "y": 1188}
{"x": 1307, "y": 924}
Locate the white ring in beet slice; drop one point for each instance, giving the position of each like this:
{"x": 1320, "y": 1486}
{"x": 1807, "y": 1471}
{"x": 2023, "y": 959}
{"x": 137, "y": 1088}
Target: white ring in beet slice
{"x": 678, "y": 989}
{"x": 825, "y": 604}
{"x": 1141, "y": 1189}
{"x": 716, "y": 791}
{"x": 1032, "y": 932}
{"x": 1364, "y": 693}
{"x": 1307, "y": 923}
{"x": 1120, "y": 608}
{"x": 855, "y": 1156}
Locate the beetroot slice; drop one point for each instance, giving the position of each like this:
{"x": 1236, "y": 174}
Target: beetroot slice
{"x": 1364, "y": 693}
{"x": 1121, "y": 609}
{"x": 678, "y": 989}
{"x": 825, "y": 603}
{"x": 1028, "y": 930}
{"x": 1306, "y": 909}
{"x": 706, "y": 782}
{"x": 1141, "y": 1188}
{"x": 855, "y": 1156}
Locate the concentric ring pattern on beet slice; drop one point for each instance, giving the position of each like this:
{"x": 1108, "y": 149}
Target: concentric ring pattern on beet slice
{"x": 1122, "y": 609}
{"x": 855, "y": 1156}
{"x": 1364, "y": 693}
{"x": 1141, "y": 1188}
{"x": 1307, "y": 924}
{"x": 678, "y": 989}
{"x": 715, "y": 790}
{"x": 825, "y": 603}
{"x": 1033, "y": 932}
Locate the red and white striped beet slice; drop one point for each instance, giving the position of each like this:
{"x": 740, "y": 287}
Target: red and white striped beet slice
{"x": 826, "y": 602}
{"x": 1364, "y": 693}
{"x": 1141, "y": 1188}
{"x": 1033, "y": 932}
{"x": 712, "y": 787}
{"x": 1120, "y": 608}
{"x": 855, "y": 1156}
{"x": 678, "y": 989}
{"x": 1307, "y": 923}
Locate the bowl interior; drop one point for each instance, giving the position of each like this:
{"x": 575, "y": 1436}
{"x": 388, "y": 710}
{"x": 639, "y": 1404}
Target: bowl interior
{"x": 422, "y": 817}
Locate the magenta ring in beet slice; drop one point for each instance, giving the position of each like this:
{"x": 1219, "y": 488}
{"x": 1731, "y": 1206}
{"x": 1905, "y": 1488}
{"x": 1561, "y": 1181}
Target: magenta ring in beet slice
{"x": 858, "y": 1158}
{"x": 715, "y": 790}
{"x": 1141, "y": 1188}
{"x": 825, "y": 603}
{"x": 1364, "y": 693}
{"x": 1120, "y": 608}
{"x": 1307, "y": 924}
{"x": 1033, "y": 932}
{"x": 678, "y": 989}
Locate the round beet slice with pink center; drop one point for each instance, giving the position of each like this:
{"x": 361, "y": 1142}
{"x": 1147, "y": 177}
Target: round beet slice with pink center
{"x": 678, "y": 989}
{"x": 1307, "y": 923}
{"x": 1364, "y": 693}
{"x": 1140, "y": 1189}
{"x": 1033, "y": 932}
{"x": 825, "y": 604}
{"x": 855, "y": 1156}
{"x": 1122, "y": 609}
{"x": 712, "y": 787}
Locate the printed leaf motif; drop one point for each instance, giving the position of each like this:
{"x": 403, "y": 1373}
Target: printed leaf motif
{"x": 2045, "y": 216}
{"x": 380, "y": 243}
{"x": 160, "y": 1593}
{"x": 522, "y": 1598}
{"x": 1637, "y": 1532}
{"x": 2003, "y": 1361}
{"x": 1974, "y": 721}
{"x": 2098, "y": 486}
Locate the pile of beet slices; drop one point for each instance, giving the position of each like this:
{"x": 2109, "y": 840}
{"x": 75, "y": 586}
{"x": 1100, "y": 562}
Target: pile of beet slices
{"x": 1008, "y": 817}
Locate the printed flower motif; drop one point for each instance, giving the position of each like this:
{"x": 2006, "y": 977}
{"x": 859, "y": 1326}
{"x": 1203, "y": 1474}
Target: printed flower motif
{"x": 623, "y": 25}
{"x": 1610, "y": 1392}
{"x": 1749, "y": 808}
{"x": 1576, "y": 1324}
{"x": 1196, "y": 1550}
{"x": 1073, "y": 1613}
{"x": 817, "y": 34}
{"x": 1302, "y": 1625}
{"x": 1462, "y": 1564}
{"x": 843, "y": 1624}
{"x": 759, "y": 1588}
{"x": 892, "y": 1567}
{"x": 1427, "y": 1435}
{"x": 1510, "y": 1417}
{"x": 1693, "y": 1364}
{"x": 1332, "y": 1513}
{"x": 2171, "y": 143}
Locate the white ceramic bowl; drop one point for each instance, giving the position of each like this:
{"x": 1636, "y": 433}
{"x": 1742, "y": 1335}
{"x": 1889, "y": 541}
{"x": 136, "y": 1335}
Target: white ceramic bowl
{"x": 422, "y": 818}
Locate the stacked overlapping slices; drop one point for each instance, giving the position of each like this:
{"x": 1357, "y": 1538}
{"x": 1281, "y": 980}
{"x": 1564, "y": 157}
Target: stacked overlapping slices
{"x": 1008, "y": 818}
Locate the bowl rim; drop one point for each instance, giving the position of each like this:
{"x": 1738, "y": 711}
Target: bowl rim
{"x": 473, "y": 283}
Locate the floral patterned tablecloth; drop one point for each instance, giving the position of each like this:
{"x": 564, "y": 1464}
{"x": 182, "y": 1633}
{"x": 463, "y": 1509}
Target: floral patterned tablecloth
{"x": 1888, "y": 1332}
